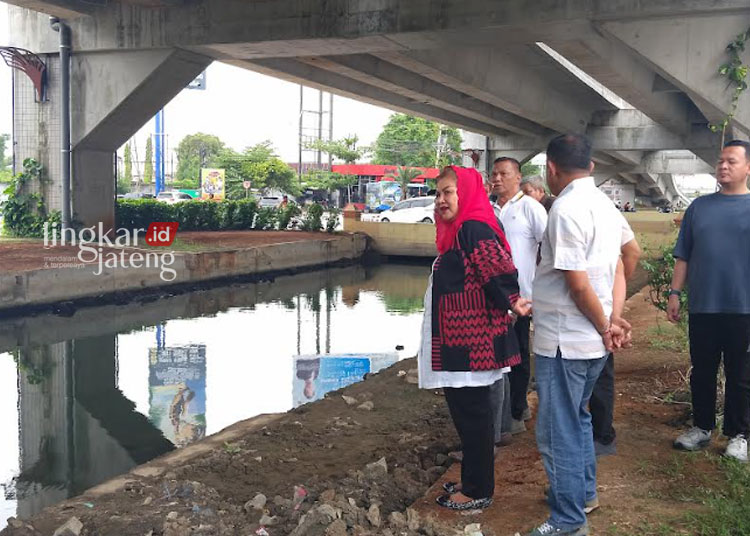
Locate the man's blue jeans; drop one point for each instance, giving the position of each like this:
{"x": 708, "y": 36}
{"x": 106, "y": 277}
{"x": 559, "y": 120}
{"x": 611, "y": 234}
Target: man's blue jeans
{"x": 564, "y": 435}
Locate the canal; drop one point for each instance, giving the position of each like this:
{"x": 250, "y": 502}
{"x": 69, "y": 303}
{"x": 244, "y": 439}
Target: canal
{"x": 88, "y": 397}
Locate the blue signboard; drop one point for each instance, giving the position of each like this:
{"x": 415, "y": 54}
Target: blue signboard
{"x": 316, "y": 375}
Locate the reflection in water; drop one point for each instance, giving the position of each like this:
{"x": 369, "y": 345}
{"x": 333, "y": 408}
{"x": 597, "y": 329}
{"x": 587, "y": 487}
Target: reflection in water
{"x": 320, "y": 374}
{"x": 177, "y": 392}
{"x": 112, "y": 387}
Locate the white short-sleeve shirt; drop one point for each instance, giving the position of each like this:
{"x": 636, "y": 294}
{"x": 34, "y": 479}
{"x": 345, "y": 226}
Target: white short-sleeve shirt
{"x": 524, "y": 221}
{"x": 585, "y": 232}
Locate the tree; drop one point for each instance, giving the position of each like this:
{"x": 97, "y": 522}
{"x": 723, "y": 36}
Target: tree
{"x": 328, "y": 181}
{"x": 148, "y": 166}
{"x": 344, "y": 149}
{"x": 413, "y": 141}
{"x": 528, "y": 169}
{"x": 4, "y": 161}
{"x": 405, "y": 175}
{"x": 193, "y": 152}
{"x": 5, "y": 172}
{"x": 128, "y": 157}
{"x": 259, "y": 165}
{"x": 123, "y": 185}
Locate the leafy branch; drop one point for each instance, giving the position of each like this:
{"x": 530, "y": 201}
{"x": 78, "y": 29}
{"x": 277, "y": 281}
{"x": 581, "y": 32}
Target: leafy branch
{"x": 736, "y": 73}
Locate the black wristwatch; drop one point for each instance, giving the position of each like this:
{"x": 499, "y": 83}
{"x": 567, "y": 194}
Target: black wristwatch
{"x": 674, "y": 292}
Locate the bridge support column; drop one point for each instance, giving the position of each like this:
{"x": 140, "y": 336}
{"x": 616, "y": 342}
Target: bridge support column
{"x": 113, "y": 94}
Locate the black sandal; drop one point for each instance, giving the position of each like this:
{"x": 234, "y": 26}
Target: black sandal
{"x": 452, "y": 487}
{"x": 474, "y": 504}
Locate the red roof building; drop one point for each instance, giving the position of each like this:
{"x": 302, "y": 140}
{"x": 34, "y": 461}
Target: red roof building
{"x": 378, "y": 172}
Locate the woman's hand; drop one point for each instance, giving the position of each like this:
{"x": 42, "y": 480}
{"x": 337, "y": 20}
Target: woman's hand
{"x": 522, "y": 307}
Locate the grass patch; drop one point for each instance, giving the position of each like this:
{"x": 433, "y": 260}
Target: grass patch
{"x": 179, "y": 244}
{"x": 718, "y": 489}
{"x": 668, "y": 337}
{"x": 728, "y": 512}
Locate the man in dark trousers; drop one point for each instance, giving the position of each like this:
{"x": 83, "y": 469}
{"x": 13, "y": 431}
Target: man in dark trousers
{"x": 712, "y": 257}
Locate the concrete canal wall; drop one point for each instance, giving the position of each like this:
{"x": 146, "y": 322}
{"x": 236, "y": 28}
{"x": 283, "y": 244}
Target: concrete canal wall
{"x": 51, "y": 285}
{"x": 404, "y": 239}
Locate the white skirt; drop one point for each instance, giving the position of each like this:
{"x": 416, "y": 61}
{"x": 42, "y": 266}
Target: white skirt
{"x": 433, "y": 379}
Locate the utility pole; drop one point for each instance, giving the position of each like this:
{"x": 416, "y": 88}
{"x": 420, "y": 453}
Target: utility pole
{"x": 441, "y": 142}
{"x": 301, "y": 117}
{"x": 330, "y": 129}
{"x": 159, "y": 139}
{"x": 320, "y": 125}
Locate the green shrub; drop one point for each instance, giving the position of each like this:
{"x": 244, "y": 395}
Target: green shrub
{"x": 244, "y": 214}
{"x": 313, "y": 219}
{"x": 140, "y": 213}
{"x": 287, "y": 213}
{"x": 266, "y": 219}
{"x": 24, "y": 212}
{"x": 660, "y": 269}
{"x": 191, "y": 215}
{"x": 333, "y": 219}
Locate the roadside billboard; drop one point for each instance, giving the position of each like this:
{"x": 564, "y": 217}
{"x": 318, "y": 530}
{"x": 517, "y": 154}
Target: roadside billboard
{"x": 212, "y": 184}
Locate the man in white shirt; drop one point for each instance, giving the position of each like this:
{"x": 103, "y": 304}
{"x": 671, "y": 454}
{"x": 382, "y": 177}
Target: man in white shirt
{"x": 524, "y": 221}
{"x": 575, "y": 327}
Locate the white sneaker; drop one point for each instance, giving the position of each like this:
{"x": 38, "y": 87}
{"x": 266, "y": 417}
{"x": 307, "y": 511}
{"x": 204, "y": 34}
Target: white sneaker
{"x": 737, "y": 448}
{"x": 694, "y": 439}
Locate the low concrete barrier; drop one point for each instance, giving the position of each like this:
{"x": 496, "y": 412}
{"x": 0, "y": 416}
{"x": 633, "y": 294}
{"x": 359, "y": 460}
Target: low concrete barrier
{"x": 50, "y": 285}
{"x": 408, "y": 239}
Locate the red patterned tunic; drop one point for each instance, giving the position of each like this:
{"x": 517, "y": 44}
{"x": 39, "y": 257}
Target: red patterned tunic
{"x": 473, "y": 286}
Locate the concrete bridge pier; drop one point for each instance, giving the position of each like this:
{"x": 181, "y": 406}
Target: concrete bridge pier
{"x": 113, "y": 93}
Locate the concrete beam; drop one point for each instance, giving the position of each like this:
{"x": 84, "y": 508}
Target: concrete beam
{"x": 303, "y": 73}
{"x": 64, "y": 9}
{"x": 304, "y": 27}
{"x": 497, "y": 77}
{"x": 114, "y": 93}
{"x": 377, "y": 72}
{"x": 649, "y": 138}
{"x": 614, "y": 66}
{"x": 687, "y": 52}
{"x": 624, "y": 130}
{"x": 662, "y": 162}
{"x": 629, "y": 157}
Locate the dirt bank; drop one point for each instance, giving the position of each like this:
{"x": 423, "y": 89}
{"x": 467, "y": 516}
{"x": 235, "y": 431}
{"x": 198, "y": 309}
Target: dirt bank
{"x": 641, "y": 488}
{"x": 329, "y": 448}
{"x": 324, "y": 446}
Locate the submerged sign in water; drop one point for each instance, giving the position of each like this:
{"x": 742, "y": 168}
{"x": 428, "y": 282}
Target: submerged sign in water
{"x": 316, "y": 375}
{"x": 177, "y": 392}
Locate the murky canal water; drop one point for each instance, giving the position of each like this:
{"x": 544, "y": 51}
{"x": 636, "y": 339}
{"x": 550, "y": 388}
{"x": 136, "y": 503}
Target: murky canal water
{"x": 85, "y": 398}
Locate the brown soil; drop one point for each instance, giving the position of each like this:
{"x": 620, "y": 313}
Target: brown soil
{"x": 244, "y": 239}
{"x": 321, "y": 446}
{"x": 327, "y": 444}
{"x": 638, "y": 487}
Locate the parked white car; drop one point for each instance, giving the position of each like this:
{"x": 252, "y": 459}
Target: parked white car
{"x": 173, "y": 197}
{"x": 415, "y": 210}
{"x": 270, "y": 201}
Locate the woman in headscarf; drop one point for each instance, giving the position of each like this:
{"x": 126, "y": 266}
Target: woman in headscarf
{"x": 466, "y": 335}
